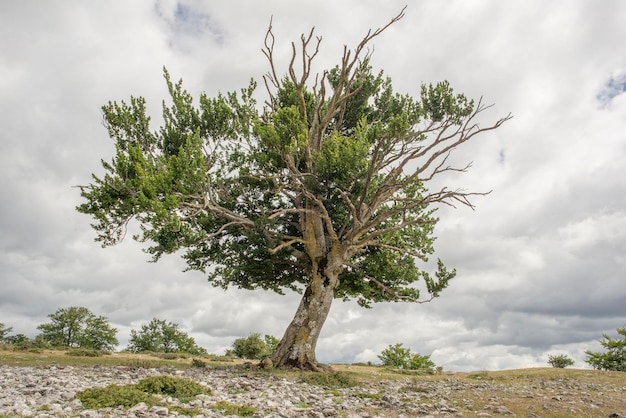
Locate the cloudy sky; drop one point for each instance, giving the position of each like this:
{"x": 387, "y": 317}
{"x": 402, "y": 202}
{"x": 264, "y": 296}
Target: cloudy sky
{"x": 541, "y": 261}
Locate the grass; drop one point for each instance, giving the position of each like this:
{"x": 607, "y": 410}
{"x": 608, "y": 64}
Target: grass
{"x": 37, "y": 358}
{"x": 563, "y": 392}
{"x": 228, "y": 408}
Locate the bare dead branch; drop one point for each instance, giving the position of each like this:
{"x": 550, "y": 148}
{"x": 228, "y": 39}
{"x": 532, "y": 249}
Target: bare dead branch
{"x": 394, "y": 293}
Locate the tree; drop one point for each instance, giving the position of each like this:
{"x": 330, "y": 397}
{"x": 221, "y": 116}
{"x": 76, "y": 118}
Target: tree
{"x": 560, "y": 361}
{"x": 160, "y": 336}
{"x": 615, "y": 356}
{"x": 323, "y": 192}
{"x": 4, "y": 332}
{"x": 78, "y": 327}
{"x": 253, "y": 346}
{"x": 402, "y": 358}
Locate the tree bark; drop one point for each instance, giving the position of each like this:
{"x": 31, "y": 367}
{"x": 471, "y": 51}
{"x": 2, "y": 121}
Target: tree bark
{"x": 297, "y": 347}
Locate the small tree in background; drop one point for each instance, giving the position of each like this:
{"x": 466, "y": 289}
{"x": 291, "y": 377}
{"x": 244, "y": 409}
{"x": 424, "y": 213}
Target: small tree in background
{"x": 614, "y": 358}
{"x": 402, "y": 358}
{"x": 77, "y": 327}
{"x": 253, "y": 346}
{"x": 4, "y": 332}
{"x": 159, "y": 336}
{"x": 560, "y": 361}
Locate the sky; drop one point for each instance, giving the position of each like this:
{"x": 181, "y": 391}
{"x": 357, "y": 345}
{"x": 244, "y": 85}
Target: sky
{"x": 540, "y": 261}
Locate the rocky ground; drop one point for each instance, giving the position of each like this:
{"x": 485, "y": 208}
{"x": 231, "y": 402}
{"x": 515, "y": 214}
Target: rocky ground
{"x": 50, "y": 390}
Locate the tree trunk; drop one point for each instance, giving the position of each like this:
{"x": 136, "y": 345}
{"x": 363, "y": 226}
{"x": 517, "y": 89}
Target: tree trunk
{"x": 297, "y": 347}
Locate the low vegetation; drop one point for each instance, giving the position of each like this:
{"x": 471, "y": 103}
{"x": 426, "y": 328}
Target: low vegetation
{"x": 335, "y": 380}
{"x": 614, "y": 358}
{"x": 402, "y": 358}
{"x": 113, "y": 396}
{"x": 253, "y": 346}
{"x": 560, "y": 361}
{"x": 586, "y": 392}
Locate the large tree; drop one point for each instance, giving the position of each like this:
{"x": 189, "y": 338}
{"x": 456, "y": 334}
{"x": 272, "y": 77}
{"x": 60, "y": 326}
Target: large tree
{"x": 323, "y": 192}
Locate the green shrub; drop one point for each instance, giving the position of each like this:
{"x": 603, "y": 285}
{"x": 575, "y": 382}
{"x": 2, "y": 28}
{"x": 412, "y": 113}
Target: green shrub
{"x": 85, "y": 352}
{"x": 402, "y": 358}
{"x": 4, "y": 332}
{"x": 560, "y": 361}
{"x": 130, "y": 395}
{"x": 177, "y": 387}
{"x": 228, "y": 408}
{"x": 198, "y": 363}
{"x": 329, "y": 380}
{"x": 171, "y": 356}
{"x": 253, "y": 346}
{"x": 113, "y": 396}
{"x": 159, "y": 336}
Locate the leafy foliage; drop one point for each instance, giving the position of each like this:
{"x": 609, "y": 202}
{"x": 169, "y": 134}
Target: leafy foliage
{"x": 615, "y": 356}
{"x": 560, "y": 361}
{"x": 114, "y": 395}
{"x": 85, "y": 352}
{"x": 229, "y": 409}
{"x": 177, "y": 387}
{"x": 253, "y": 346}
{"x": 336, "y": 380}
{"x": 325, "y": 190}
{"x": 129, "y": 395}
{"x": 4, "y": 332}
{"x": 77, "y": 327}
{"x": 402, "y": 358}
{"x": 159, "y": 336}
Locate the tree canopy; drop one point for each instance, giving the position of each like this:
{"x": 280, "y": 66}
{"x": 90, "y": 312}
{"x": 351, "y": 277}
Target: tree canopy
{"x": 159, "y": 336}
{"x": 4, "y": 332}
{"x": 614, "y": 358}
{"x": 78, "y": 327}
{"x": 323, "y": 191}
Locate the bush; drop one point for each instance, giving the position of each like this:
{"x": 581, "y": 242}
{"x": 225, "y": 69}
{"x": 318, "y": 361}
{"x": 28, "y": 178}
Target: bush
{"x": 329, "y": 380}
{"x": 127, "y": 396}
{"x": 402, "y": 358}
{"x": 171, "y": 386}
{"x": 614, "y": 358}
{"x": 228, "y": 409}
{"x": 85, "y": 352}
{"x": 4, "y": 332}
{"x": 159, "y": 336}
{"x": 560, "y": 361}
{"x": 113, "y": 396}
{"x": 253, "y": 347}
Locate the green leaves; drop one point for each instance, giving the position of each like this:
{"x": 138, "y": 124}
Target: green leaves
{"x": 615, "y": 356}
{"x": 160, "y": 336}
{"x": 439, "y": 102}
{"x": 400, "y": 357}
{"x": 78, "y": 327}
{"x": 334, "y": 169}
{"x": 342, "y": 160}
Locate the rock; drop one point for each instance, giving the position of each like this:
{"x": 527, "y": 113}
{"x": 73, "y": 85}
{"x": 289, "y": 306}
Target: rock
{"x": 44, "y": 392}
{"x": 267, "y": 363}
{"x": 140, "y": 407}
{"x": 159, "y": 410}
{"x": 502, "y": 410}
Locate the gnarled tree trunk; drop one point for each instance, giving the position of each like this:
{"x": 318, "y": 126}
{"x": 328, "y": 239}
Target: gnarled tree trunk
{"x": 297, "y": 347}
